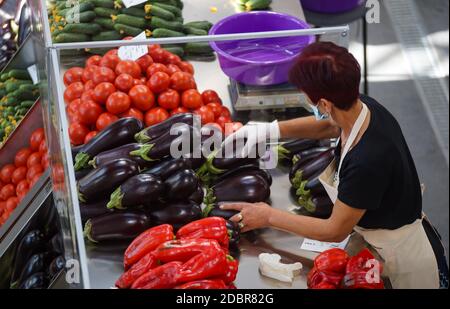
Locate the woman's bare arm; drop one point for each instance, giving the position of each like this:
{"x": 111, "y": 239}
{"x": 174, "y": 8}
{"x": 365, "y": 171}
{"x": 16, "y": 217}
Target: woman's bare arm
{"x": 308, "y": 127}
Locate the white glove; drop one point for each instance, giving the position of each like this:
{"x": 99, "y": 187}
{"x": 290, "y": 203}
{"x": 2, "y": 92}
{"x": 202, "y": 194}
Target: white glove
{"x": 251, "y": 139}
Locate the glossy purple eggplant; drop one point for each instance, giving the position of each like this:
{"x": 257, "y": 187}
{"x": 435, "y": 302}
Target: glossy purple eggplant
{"x": 153, "y": 132}
{"x": 287, "y": 150}
{"x": 245, "y": 169}
{"x": 102, "y": 181}
{"x": 213, "y": 210}
{"x": 181, "y": 185}
{"x": 122, "y": 152}
{"x": 176, "y": 214}
{"x": 318, "y": 206}
{"x": 115, "y": 135}
{"x": 198, "y": 196}
{"x": 36, "y": 263}
{"x": 300, "y": 172}
{"x": 81, "y": 173}
{"x": 35, "y": 281}
{"x": 308, "y": 154}
{"x": 57, "y": 265}
{"x": 137, "y": 191}
{"x": 94, "y": 209}
{"x": 168, "y": 167}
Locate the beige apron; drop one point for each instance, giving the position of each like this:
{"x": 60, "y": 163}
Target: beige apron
{"x": 409, "y": 260}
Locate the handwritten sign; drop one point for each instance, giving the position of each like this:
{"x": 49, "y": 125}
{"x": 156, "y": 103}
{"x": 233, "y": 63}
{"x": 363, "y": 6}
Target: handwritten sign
{"x": 133, "y": 52}
{"x": 320, "y": 246}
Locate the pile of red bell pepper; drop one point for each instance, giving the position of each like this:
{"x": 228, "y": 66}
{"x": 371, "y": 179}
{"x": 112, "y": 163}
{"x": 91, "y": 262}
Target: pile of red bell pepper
{"x": 196, "y": 257}
{"x": 335, "y": 269}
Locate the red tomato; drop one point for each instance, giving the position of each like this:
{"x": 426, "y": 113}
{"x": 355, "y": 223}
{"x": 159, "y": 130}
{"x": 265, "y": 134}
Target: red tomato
{"x": 103, "y": 74}
{"x": 12, "y": 203}
{"x": 89, "y": 73}
{"x": 73, "y": 91}
{"x": 192, "y": 99}
{"x": 36, "y": 138}
{"x": 158, "y": 55}
{"x": 2, "y": 207}
{"x": 152, "y": 47}
{"x": 142, "y": 97}
{"x": 222, "y": 120}
{"x": 94, "y": 60}
{"x": 33, "y": 171}
{"x": 105, "y": 120}
{"x": 225, "y": 112}
{"x": 155, "y": 116}
{"x": 77, "y": 133}
{"x": 45, "y": 161}
{"x": 206, "y": 114}
{"x": 89, "y": 112}
{"x": 169, "y": 99}
{"x": 159, "y": 82}
{"x": 144, "y": 62}
{"x": 172, "y": 58}
{"x": 89, "y": 85}
{"x": 102, "y": 91}
{"x": 179, "y": 110}
{"x": 113, "y": 52}
{"x": 230, "y": 128}
{"x": 90, "y": 136}
{"x": 6, "y": 173}
{"x": 74, "y": 117}
{"x": 138, "y": 82}
{"x": 186, "y": 67}
{"x": 43, "y": 147}
{"x": 74, "y": 106}
{"x": 210, "y": 96}
{"x": 35, "y": 179}
{"x": 18, "y": 175}
{"x": 7, "y": 191}
{"x": 87, "y": 95}
{"x": 118, "y": 103}
{"x": 35, "y": 158}
{"x": 124, "y": 82}
{"x": 22, "y": 188}
{"x": 216, "y": 108}
{"x": 135, "y": 113}
{"x": 73, "y": 75}
{"x": 181, "y": 81}
{"x": 173, "y": 68}
{"x": 110, "y": 60}
{"x": 128, "y": 67}
{"x": 215, "y": 125}
{"x": 21, "y": 157}
{"x": 156, "y": 67}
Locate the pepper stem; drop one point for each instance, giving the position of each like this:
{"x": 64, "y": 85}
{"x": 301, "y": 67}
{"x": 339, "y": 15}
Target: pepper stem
{"x": 81, "y": 161}
{"x": 143, "y": 152}
{"x": 116, "y": 200}
{"x": 88, "y": 231}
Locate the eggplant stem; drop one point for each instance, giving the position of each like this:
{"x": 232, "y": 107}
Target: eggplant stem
{"x": 81, "y": 197}
{"x": 92, "y": 163}
{"x": 88, "y": 230}
{"x": 307, "y": 204}
{"x": 116, "y": 200}
{"x": 143, "y": 152}
{"x": 297, "y": 181}
{"x": 295, "y": 160}
{"x": 81, "y": 161}
{"x": 207, "y": 210}
{"x": 142, "y": 137}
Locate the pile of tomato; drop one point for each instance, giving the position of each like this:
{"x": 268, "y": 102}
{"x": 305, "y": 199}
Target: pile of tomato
{"x": 152, "y": 89}
{"x": 17, "y": 178}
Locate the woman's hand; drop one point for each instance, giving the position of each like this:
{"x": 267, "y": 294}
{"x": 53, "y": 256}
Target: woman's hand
{"x": 251, "y": 216}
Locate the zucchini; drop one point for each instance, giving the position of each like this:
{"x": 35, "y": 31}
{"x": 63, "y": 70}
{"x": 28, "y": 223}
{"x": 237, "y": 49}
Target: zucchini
{"x": 203, "y": 24}
{"x": 83, "y": 17}
{"x": 107, "y": 36}
{"x": 132, "y": 21}
{"x": 166, "y": 33}
{"x": 195, "y": 31}
{"x": 158, "y": 22}
{"x": 105, "y": 12}
{"x": 105, "y": 23}
{"x": 109, "y": 4}
{"x": 19, "y": 74}
{"x": 127, "y": 30}
{"x": 158, "y": 11}
{"x": 134, "y": 11}
{"x": 198, "y": 48}
{"x": 179, "y": 19}
{"x": 83, "y": 28}
{"x": 171, "y": 8}
{"x": 71, "y": 37}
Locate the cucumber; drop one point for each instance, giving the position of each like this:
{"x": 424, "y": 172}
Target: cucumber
{"x": 171, "y": 8}
{"x": 106, "y": 23}
{"x": 127, "y": 30}
{"x": 10, "y": 101}
{"x": 200, "y": 57}
{"x": 257, "y": 4}
{"x": 107, "y": 36}
{"x": 195, "y": 31}
{"x": 105, "y": 12}
{"x": 159, "y": 12}
{"x": 134, "y": 11}
{"x": 203, "y": 24}
{"x": 4, "y": 77}
{"x": 158, "y": 22}
{"x": 23, "y": 94}
{"x": 27, "y": 88}
{"x": 198, "y": 48}
{"x": 71, "y": 37}
{"x": 179, "y": 19}
{"x": 26, "y": 104}
{"x": 83, "y": 17}
{"x": 109, "y": 4}
{"x": 166, "y": 33}
{"x": 19, "y": 74}
{"x": 97, "y": 51}
{"x": 14, "y": 85}
{"x": 177, "y": 50}
{"x": 83, "y": 28}
{"x": 132, "y": 21}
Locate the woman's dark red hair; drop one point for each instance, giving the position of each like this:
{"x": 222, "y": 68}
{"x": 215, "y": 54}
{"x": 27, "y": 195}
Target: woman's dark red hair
{"x": 327, "y": 71}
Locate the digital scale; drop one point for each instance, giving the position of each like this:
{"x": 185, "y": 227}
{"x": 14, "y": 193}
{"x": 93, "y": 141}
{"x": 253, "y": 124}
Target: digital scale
{"x": 245, "y": 97}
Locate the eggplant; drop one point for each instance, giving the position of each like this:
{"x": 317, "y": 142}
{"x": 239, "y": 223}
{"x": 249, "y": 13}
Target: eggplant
{"x": 198, "y": 196}
{"x": 153, "y": 132}
{"x": 194, "y": 163}
{"x": 308, "y": 154}
{"x": 95, "y": 209}
{"x": 213, "y": 210}
{"x": 168, "y": 167}
{"x": 104, "y": 180}
{"x": 234, "y": 233}
{"x": 35, "y": 264}
{"x": 244, "y": 188}
{"x": 246, "y": 169}
{"x": 304, "y": 170}
{"x": 137, "y": 191}
{"x": 287, "y": 150}
{"x": 31, "y": 243}
{"x": 35, "y": 281}
{"x": 58, "y": 264}
{"x": 122, "y": 152}
{"x": 75, "y": 151}
{"x": 181, "y": 185}
{"x": 117, "y": 134}
{"x": 81, "y": 173}
{"x": 56, "y": 245}
{"x": 318, "y": 206}
{"x": 177, "y": 214}
{"x": 116, "y": 226}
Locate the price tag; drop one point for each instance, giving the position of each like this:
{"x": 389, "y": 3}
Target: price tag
{"x": 134, "y": 52}
{"x": 32, "y": 70}
{"x": 319, "y": 246}
{"x": 130, "y": 3}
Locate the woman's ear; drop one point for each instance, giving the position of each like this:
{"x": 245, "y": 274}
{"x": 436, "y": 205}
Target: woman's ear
{"x": 327, "y": 106}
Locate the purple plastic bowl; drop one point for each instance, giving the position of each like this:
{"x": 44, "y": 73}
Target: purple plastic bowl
{"x": 259, "y": 62}
{"x": 331, "y": 6}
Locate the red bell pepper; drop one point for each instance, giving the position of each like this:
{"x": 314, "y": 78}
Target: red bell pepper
{"x": 204, "y": 285}
{"x": 145, "y": 264}
{"x": 208, "y": 228}
{"x": 183, "y": 249}
{"x": 147, "y": 242}
{"x": 324, "y": 286}
{"x": 332, "y": 261}
{"x": 208, "y": 264}
{"x": 232, "y": 270}
{"x": 162, "y": 277}
{"x": 316, "y": 278}
{"x": 359, "y": 262}
{"x": 362, "y": 280}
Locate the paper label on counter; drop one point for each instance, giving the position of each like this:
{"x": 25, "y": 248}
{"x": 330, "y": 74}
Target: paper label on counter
{"x": 32, "y": 70}
{"x": 134, "y": 52}
{"x": 320, "y": 246}
{"x": 130, "y": 3}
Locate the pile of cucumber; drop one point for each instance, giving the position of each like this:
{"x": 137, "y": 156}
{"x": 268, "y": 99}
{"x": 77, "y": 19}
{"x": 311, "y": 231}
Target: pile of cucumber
{"x": 107, "y": 20}
{"x": 17, "y": 96}
{"x": 254, "y": 5}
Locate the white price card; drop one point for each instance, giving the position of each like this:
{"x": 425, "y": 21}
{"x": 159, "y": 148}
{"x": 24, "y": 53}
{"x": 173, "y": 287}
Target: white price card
{"x": 32, "y": 70}
{"x": 134, "y": 52}
{"x": 320, "y": 246}
{"x": 130, "y": 3}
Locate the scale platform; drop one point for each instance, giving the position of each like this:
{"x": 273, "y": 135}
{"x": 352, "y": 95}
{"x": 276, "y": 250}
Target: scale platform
{"x": 245, "y": 97}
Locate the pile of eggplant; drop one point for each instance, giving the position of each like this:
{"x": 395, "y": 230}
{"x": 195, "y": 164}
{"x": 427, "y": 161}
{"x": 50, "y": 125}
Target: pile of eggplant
{"x": 309, "y": 158}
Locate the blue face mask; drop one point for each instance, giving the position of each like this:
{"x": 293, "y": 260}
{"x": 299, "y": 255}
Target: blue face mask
{"x": 319, "y": 116}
